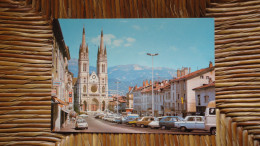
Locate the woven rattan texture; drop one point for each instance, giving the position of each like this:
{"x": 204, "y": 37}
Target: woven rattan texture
{"x": 25, "y": 68}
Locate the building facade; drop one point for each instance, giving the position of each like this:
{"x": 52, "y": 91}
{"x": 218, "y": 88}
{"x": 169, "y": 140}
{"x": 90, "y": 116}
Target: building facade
{"x": 92, "y": 87}
{"x": 182, "y": 88}
{"x": 60, "y": 80}
{"x": 204, "y": 94}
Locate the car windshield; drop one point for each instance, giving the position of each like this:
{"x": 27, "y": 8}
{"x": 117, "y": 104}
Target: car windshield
{"x": 81, "y": 121}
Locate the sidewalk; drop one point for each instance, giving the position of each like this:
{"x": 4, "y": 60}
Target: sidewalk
{"x": 70, "y": 127}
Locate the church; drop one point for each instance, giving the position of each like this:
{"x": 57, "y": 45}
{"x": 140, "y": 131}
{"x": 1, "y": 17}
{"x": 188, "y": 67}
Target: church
{"x": 92, "y": 87}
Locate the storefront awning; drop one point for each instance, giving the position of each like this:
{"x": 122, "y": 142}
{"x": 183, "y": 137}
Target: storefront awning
{"x": 59, "y": 101}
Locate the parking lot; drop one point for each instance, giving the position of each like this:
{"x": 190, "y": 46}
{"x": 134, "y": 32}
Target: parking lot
{"x": 99, "y": 125}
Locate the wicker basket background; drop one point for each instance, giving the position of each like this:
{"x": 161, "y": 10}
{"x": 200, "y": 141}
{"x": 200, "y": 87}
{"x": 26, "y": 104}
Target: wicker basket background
{"x": 25, "y": 68}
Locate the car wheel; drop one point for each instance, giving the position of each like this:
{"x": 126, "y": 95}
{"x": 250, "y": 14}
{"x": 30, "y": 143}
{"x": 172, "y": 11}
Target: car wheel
{"x": 183, "y": 129}
{"x": 142, "y": 126}
{"x": 163, "y": 127}
{"x": 213, "y": 131}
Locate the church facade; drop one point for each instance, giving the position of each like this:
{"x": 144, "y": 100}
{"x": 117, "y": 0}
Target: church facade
{"x": 92, "y": 87}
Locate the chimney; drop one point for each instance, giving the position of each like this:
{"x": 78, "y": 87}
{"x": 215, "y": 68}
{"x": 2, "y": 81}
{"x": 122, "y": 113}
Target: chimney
{"x": 189, "y": 70}
{"x": 182, "y": 72}
{"x": 186, "y": 71}
{"x": 129, "y": 88}
{"x": 146, "y": 83}
{"x": 178, "y": 73}
{"x": 150, "y": 82}
{"x": 210, "y": 64}
{"x": 143, "y": 83}
{"x": 135, "y": 87}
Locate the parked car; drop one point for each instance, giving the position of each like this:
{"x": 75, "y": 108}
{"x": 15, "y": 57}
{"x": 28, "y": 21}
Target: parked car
{"x": 119, "y": 119}
{"x": 190, "y": 123}
{"x": 133, "y": 123}
{"x": 83, "y": 116}
{"x": 130, "y": 117}
{"x": 167, "y": 122}
{"x": 144, "y": 121}
{"x": 155, "y": 123}
{"x": 210, "y": 117}
{"x": 81, "y": 124}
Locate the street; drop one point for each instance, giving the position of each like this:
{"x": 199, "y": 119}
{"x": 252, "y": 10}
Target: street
{"x": 101, "y": 126}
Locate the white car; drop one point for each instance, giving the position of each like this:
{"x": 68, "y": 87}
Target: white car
{"x": 191, "y": 123}
{"x": 155, "y": 123}
{"x": 81, "y": 124}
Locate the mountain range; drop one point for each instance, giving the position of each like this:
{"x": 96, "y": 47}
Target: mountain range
{"x": 128, "y": 75}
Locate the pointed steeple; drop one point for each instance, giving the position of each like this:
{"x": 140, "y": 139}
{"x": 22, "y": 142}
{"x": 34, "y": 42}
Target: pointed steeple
{"x": 101, "y": 43}
{"x": 87, "y": 49}
{"x": 83, "y": 43}
{"x": 98, "y": 52}
{"x": 105, "y": 50}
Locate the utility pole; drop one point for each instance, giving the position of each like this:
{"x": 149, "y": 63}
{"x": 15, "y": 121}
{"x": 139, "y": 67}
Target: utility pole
{"x": 117, "y": 94}
{"x": 149, "y": 54}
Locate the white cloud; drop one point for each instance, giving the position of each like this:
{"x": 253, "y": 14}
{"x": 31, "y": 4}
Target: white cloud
{"x": 194, "y": 49}
{"x": 112, "y": 41}
{"x": 130, "y": 40}
{"x": 173, "y": 48}
{"x": 127, "y": 45}
{"x": 137, "y": 27}
{"x": 108, "y": 38}
{"x": 118, "y": 42}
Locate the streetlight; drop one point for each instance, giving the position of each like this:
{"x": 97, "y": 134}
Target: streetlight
{"x": 149, "y": 54}
{"x": 117, "y": 95}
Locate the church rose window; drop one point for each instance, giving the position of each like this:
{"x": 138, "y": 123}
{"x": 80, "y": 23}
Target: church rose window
{"x": 94, "y": 88}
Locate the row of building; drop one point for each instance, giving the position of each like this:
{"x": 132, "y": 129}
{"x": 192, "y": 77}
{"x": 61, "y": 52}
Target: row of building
{"x": 62, "y": 81}
{"x": 187, "y": 94}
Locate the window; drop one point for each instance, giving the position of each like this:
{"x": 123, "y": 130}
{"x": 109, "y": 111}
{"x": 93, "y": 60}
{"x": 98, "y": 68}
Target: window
{"x": 199, "y": 119}
{"x": 84, "y": 80}
{"x": 84, "y": 88}
{"x": 178, "y": 96}
{"x": 184, "y": 97}
{"x": 103, "y": 68}
{"x": 207, "y": 77}
{"x": 84, "y": 66}
{"x": 206, "y": 98}
{"x": 191, "y": 119}
{"x": 103, "y": 89}
{"x": 201, "y": 77}
{"x": 198, "y": 99}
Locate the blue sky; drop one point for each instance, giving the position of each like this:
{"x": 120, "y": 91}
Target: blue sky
{"x": 186, "y": 42}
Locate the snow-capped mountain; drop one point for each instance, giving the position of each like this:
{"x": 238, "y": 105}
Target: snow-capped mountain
{"x": 128, "y": 75}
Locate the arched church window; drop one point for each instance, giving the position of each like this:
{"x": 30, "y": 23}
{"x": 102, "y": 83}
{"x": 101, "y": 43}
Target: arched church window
{"x": 84, "y": 88}
{"x": 103, "y": 89}
{"x": 84, "y": 80}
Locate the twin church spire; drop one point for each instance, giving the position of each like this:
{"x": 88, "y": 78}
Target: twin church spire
{"x": 102, "y": 51}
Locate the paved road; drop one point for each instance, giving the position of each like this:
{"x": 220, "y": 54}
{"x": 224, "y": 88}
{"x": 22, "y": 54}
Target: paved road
{"x": 100, "y": 126}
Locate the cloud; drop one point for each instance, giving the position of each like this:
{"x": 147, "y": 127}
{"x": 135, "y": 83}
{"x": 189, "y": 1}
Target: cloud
{"x": 112, "y": 41}
{"x": 127, "y": 45}
{"x": 137, "y": 27}
{"x": 108, "y": 38}
{"x": 173, "y": 48}
{"x": 141, "y": 53}
{"x": 130, "y": 40}
{"x": 194, "y": 49}
{"x": 118, "y": 42}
